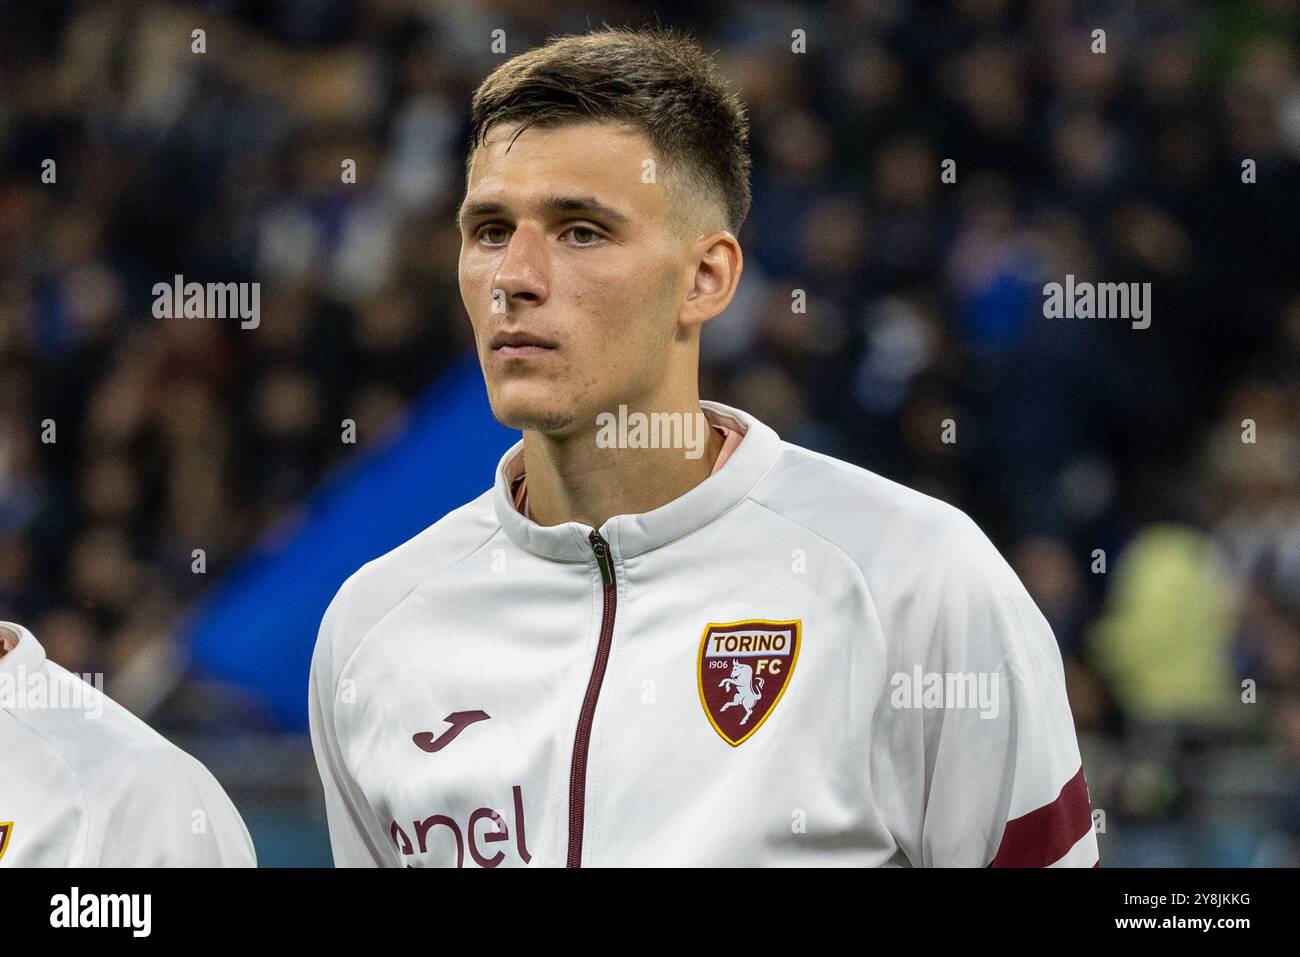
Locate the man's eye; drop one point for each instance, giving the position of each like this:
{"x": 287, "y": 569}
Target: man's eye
{"x": 485, "y": 235}
{"x": 584, "y": 235}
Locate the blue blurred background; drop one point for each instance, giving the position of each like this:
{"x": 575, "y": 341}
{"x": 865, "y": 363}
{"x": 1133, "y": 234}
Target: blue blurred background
{"x": 924, "y": 303}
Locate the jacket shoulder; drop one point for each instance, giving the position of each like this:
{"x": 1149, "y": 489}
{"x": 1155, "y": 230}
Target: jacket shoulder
{"x": 128, "y": 780}
{"x": 890, "y": 531}
{"x": 378, "y": 586}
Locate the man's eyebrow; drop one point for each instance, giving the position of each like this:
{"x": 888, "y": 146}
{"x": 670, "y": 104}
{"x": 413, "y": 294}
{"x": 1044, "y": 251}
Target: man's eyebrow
{"x": 550, "y": 204}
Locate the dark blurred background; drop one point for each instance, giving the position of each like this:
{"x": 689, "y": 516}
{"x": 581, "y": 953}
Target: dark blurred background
{"x": 924, "y": 304}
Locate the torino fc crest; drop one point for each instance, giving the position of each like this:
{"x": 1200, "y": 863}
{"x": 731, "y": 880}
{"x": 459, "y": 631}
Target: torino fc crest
{"x": 744, "y": 669}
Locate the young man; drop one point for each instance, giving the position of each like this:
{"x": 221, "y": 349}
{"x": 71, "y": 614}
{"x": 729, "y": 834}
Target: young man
{"x": 691, "y": 645}
{"x": 85, "y": 783}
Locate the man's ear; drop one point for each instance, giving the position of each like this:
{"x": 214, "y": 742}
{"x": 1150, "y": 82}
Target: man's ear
{"x": 719, "y": 263}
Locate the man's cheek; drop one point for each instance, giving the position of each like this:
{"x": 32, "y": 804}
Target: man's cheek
{"x": 475, "y": 284}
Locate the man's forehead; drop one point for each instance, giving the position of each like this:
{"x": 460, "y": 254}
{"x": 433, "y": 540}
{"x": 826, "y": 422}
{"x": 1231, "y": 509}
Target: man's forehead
{"x": 598, "y": 159}
{"x": 587, "y": 148}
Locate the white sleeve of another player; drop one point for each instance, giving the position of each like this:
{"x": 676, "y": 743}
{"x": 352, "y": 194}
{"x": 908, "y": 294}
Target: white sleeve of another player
{"x": 231, "y": 844}
{"x": 167, "y": 810}
{"x": 356, "y": 836}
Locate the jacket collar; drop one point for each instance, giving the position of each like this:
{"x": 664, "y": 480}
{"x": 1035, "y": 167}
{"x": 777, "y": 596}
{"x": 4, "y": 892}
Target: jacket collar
{"x": 632, "y": 535}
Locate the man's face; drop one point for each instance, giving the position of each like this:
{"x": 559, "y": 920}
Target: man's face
{"x": 572, "y": 270}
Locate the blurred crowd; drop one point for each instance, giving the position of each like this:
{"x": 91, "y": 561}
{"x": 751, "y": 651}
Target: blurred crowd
{"x": 1145, "y": 483}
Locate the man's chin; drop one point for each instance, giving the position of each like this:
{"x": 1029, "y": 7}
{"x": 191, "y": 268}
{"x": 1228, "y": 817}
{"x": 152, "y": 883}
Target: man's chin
{"x": 528, "y": 418}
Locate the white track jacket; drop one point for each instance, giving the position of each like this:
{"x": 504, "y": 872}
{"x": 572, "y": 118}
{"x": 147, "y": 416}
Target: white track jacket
{"x": 798, "y": 662}
{"x": 85, "y": 783}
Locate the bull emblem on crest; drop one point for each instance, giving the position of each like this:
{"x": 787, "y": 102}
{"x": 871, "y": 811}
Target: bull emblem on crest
{"x": 748, "y": 691}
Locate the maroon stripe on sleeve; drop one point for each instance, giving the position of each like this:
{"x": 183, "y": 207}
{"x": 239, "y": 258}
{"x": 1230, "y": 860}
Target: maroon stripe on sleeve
{"x": 1044, "y": 835}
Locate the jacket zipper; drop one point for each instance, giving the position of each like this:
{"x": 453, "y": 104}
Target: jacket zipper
{"x": 578, "y": 771}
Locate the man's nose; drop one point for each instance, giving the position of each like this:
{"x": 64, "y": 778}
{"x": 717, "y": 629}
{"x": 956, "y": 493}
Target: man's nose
{"x": 521, "y": 277}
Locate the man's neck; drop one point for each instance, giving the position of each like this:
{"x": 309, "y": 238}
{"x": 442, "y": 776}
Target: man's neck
{"x": 574, "y": 479}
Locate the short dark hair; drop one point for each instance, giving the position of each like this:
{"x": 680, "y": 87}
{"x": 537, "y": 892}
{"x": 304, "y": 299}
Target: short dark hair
{"x": 653, "y": 77}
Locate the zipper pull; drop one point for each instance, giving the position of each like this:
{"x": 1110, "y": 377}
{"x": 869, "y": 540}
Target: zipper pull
{"x": 602, "y": 558}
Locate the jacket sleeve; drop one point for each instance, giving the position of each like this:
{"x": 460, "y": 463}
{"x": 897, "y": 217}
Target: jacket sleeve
{"x": 356, "y": 836}
{"x": 995, "y": 779}
{"x": 173, "y": 814}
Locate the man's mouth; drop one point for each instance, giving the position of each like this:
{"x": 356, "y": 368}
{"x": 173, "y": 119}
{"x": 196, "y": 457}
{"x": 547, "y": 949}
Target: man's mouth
{"x": 519, "y": 345}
